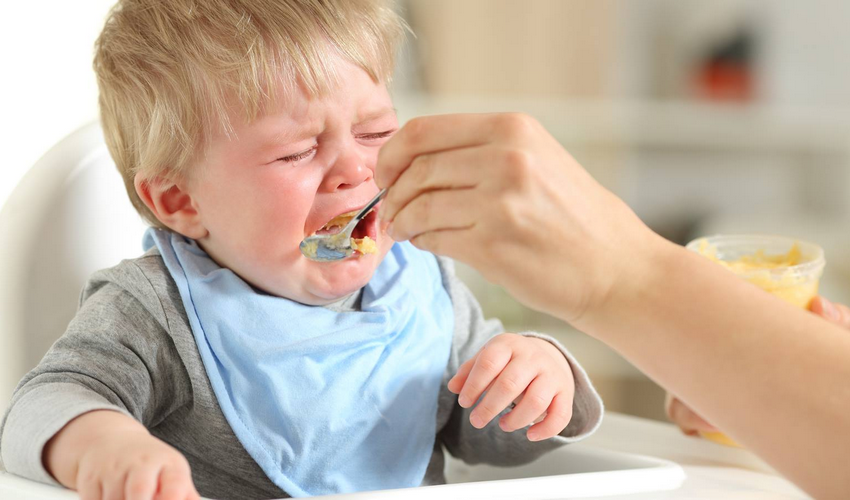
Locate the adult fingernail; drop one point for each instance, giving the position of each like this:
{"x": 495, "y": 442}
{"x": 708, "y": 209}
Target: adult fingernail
{"x": 463, "y": 401}
{"x": 533, "y": 436}
{"x": 390, "y": 230}
{"x": 830, "y": 310}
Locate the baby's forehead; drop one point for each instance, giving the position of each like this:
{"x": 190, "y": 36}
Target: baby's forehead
{"x": 167, "y": 70}
{"x": 356, "y": 98}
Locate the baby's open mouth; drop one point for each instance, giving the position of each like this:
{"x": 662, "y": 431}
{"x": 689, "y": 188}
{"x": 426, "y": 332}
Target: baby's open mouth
{"x": 365, "y": 232}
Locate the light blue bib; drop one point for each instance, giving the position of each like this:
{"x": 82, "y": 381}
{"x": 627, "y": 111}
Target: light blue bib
{"x": 325, "y": 402}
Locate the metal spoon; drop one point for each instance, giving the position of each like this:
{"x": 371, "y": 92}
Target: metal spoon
{"x": 331, "y": 247}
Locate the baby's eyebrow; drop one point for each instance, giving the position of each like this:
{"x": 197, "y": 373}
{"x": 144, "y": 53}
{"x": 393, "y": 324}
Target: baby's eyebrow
{"x": 295, "y": 134}
{"x": 377, "y": 113}
{"x": 291, "y": 135}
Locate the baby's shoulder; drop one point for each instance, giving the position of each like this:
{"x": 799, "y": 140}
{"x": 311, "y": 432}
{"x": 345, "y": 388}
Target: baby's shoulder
{"x": 142, "y": 282}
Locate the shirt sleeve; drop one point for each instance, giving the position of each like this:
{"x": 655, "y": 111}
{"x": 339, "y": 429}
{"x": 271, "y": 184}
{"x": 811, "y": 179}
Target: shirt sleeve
{"x": 114, "y": 356}
{"x": 491, "y": 444}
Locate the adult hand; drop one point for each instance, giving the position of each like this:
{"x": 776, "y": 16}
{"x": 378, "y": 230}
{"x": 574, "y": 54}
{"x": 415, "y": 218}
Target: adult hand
{"x": 499, "y": 193}
{"x": 691, "y": 423}
{"x": 836, "y": 313}
{"x": 496, "y": 191}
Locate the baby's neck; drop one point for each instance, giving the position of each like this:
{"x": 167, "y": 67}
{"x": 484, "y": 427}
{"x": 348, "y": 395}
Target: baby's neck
{"x": 350, "y": 302}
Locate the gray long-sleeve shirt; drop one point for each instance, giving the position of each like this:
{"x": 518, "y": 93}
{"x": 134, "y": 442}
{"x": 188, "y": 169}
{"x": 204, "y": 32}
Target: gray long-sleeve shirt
{"x": 130, "y": 349}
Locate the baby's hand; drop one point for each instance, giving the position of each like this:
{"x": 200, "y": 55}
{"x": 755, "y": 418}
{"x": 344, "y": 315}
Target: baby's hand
{"x": 512, "y": 366}
{"x": 137, "y": 467}
{"x": 105, "y": 455}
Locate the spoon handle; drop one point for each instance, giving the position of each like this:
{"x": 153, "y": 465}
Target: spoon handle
{"x": 378, "y": 197}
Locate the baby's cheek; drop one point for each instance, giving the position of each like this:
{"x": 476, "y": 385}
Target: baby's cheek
{"x": 282, "y": 215}
{"x": 264, "y": 234}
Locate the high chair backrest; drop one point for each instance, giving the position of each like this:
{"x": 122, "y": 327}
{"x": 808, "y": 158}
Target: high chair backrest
{"x": 68, "y": 217}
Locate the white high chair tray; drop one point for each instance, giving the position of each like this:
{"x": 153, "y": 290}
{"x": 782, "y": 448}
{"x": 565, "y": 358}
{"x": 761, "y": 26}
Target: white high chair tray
{"x": 572, "y": 472}
{"x": 576, "y": 471}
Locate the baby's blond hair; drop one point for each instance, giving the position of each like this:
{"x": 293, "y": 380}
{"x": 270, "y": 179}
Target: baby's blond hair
{"x": 169, "y": 70}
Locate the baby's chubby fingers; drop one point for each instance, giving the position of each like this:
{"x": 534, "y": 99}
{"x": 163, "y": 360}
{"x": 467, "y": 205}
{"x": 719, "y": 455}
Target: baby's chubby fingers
{"x": 507, "y": 387}
{"x": 489, "y": 363}
{"x": 510, "y": 366}
{"x": 89, "y": 487}
{"x": 175, "y": 483}
{"x": 112, "y": 485}
{"x": 142, "y": 482}
{"x": 534, "y": 403}
{"x": 456, "y": 383}
{"x": 558, "y": 416}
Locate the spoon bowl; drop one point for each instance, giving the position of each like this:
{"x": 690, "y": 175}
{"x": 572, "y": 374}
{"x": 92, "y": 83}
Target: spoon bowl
{"x": 334, "y": 247}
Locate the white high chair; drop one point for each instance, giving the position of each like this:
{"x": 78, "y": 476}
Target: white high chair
{"x": 67, "y": 218}
{"x": 70, "y": 216}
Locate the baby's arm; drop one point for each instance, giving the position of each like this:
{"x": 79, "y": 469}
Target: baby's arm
{"x": 105, "y": 454}
{"x": 114, "y": 372}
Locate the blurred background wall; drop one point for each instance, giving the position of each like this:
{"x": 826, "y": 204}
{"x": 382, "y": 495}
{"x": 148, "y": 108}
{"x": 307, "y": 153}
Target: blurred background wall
{"x": 706, "y": 117}
{"x": 48, "y": 87}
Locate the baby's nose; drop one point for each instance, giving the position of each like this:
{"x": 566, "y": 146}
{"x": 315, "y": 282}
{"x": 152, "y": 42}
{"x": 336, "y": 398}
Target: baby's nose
{"x": 349, "y": 171}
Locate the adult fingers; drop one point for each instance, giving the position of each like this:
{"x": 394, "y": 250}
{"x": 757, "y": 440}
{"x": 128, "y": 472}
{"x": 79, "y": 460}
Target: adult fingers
{"x": 489, "y": 363}
{"x": 688, "y": 420}
{"x": 453, "y": 169}
{"x": 435, "y": 211}
{"x": 536, "y": 400}
{"x": 822, "y": 308}
{"x": 558, "y": 415}
{"x": 510, "y": 383}
{"x": 843, "y": 314}
{"x": 831, "y": 311}
{"x": 141, "y": 483}
{"x": 461, "y": 244}
{"x": 431, "y": 134}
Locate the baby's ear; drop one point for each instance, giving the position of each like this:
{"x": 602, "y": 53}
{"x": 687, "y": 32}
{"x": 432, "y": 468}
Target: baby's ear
{"x": 172, "y": 204}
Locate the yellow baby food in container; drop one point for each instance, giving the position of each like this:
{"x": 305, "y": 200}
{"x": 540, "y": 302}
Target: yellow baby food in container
{"x": 788, "y": 268}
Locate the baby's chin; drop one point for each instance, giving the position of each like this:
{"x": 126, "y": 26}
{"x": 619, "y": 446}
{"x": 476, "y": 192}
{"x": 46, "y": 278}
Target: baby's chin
{"x": 339, "y": 280}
